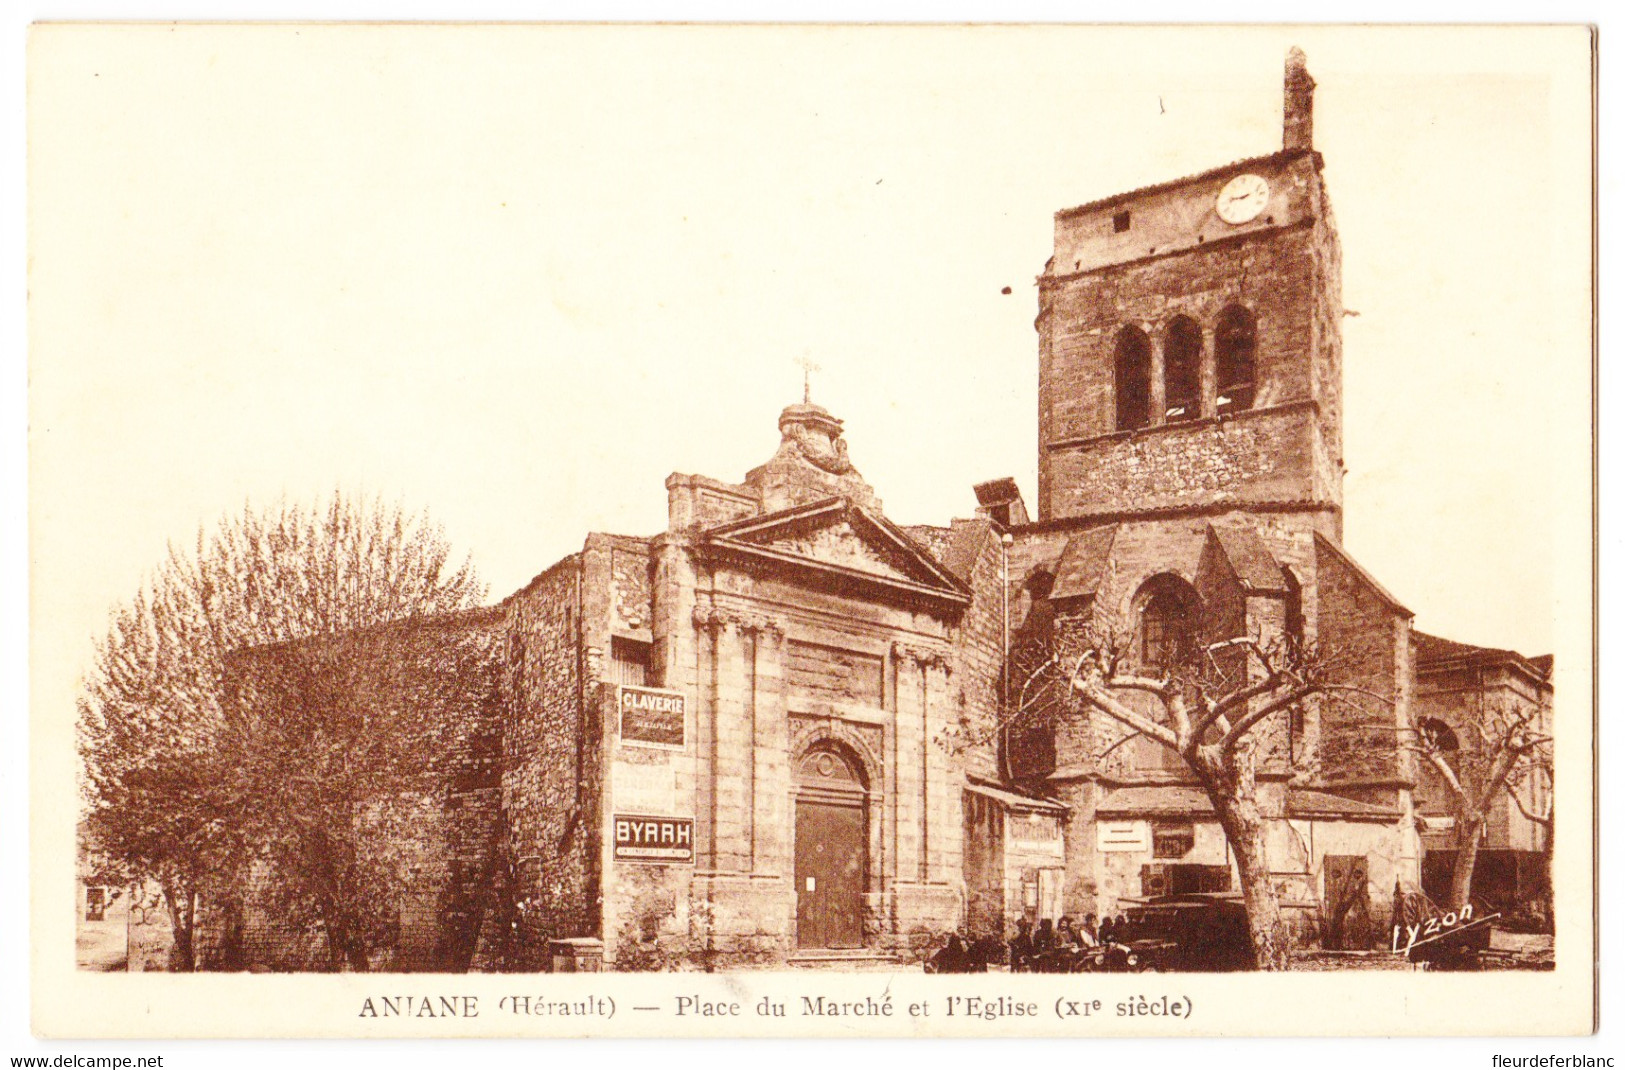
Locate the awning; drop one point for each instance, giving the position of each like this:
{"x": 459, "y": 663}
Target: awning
{"x": 1011, "y": 801}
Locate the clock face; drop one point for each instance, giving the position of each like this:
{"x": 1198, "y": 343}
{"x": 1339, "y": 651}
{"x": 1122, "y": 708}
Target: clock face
{"x": 1243, "y": 198}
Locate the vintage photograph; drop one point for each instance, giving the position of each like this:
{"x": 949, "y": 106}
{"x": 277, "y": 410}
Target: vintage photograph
{"x": 1130, "y": 619}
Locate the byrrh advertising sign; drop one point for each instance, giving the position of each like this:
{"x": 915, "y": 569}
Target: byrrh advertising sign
{"x": 652, "y": 718}
{"x": 654, "y": 839}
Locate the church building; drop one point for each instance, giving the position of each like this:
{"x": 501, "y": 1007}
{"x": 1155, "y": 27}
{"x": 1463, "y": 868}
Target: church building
{"x": 773, "y": 733}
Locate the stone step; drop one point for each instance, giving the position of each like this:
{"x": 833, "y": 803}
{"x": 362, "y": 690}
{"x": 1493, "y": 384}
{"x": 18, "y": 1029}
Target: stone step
{"x": 841, "y": 956}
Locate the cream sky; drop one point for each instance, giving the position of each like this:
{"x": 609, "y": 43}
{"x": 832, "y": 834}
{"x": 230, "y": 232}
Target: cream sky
{"x": 517, "y": 276}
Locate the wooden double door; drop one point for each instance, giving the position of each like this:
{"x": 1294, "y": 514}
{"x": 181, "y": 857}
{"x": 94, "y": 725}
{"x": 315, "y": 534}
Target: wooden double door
{"x": 832, "y": 853}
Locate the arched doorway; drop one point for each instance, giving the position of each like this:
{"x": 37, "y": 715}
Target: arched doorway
{"x": 832, "y": 850}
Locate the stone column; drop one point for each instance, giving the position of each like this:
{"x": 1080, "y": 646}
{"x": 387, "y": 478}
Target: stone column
{"x": 908, "y": 761}
{"x": 1159, "y": 383}
{"x": 676, "y": 651}
{"x": 704, "y": 692}
{"x": 732, "y": 746}
{"x": 770, "y": 763}
{"x": 671, "y": 623}
{"x": 946, "y": 855}
{"x": 1210, "y": 373}
{"x": 889, "y": 868}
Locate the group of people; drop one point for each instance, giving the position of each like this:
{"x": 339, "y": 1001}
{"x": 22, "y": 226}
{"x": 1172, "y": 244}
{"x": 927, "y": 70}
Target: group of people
{"x": 1045, "y": 948}
{"x": 1048, "y": 947}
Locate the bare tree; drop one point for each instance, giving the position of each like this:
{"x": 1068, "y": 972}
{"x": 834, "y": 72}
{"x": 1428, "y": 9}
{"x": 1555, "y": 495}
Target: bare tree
{"x": 193, "y": 791}
{"x": 1538, "y": 771}
{"x": 1209, "y": 707}
{"x": 1504, "y": 744}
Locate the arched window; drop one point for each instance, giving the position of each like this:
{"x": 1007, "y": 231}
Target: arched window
{"x": 1132, "y": 383}
{"x": 1182, "y": 370}
{"x": 1033, "y": 611}
{"x": 1294, "y": 609}
{"x": 1170, "y": 616}
{"x": 1234, "y": 341}
{"x": 1438, "y": 736}
{"x": 1297, "y": 719}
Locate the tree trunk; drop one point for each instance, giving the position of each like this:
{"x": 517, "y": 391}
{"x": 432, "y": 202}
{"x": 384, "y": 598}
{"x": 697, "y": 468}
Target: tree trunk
{"x": 1546, "y": 891}
{"x": 1469, "y": 831}
{"x": 1231, "y": 789}
{"x": 181, "y": 958}
{"x": 1244, "y": 826}
{"x": 343, "y": 951}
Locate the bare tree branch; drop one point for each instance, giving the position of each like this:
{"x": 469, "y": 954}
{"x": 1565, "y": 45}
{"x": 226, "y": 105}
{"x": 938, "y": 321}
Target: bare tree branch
{"x": 1253, "y": 717}
{"x": 1105, "y": 703}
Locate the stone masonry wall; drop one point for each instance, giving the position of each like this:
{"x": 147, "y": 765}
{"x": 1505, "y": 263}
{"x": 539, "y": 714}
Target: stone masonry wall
{"x": 1358, "y": 736}
{"x": 1141, "y": 550}
{"x": 629, "y": 585}
{"x": 979, "y": 654}
{"x": 1272, "y": 276}
{"x": 984, "y": 867}
{"x": 437, "y": 840}
{"x": 551, "y": 770}
{"x": 1254, "y": 456}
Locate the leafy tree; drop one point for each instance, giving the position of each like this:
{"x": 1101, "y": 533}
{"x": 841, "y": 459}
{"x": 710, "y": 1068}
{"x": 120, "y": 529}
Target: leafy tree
{"x": 149, "y": 733}
{"x": 346, "y": 770}
{"x": 193, "y": 783}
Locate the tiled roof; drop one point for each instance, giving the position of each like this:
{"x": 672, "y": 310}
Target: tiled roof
{"x": 997, "y": 491}
{"x": 1255, "y": 566}
{"x": 1174, "y": 183}
{"x": 932, "y": 539}
{"x": 1301, "y": 802}
{"x": 1154, "y": 801}
{"x": 965, "y": 545}
{"x": 1178, "y": 801}
{"x": 1434, "y": 653}
{"x": 1165, "y": 512}
{"x": 1082, "y": 565}
{"x": 1435, "y": 648}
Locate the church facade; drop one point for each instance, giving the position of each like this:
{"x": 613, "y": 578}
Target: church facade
{"x": 774, "y": 732}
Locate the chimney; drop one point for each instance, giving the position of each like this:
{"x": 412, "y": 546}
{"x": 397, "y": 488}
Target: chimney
{"x": 1298, "y": 119}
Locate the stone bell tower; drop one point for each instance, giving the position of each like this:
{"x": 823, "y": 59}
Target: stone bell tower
{"x": 1190, "y": 350}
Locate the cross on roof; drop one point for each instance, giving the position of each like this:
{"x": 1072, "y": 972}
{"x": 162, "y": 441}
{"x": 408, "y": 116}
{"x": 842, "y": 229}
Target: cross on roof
{"x": 807, "y": 368}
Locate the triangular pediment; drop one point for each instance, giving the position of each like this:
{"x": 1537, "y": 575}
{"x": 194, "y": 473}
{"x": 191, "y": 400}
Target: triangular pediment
{"x": 840, "y": 540}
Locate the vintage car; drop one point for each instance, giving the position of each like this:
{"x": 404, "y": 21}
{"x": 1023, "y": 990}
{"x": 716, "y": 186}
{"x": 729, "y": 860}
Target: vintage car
{"x": 1442, "y": 940}
{"x": 1189, "y": 933}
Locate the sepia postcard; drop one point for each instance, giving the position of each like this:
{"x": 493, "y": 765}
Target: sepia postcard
{"x": 775, "y": 531}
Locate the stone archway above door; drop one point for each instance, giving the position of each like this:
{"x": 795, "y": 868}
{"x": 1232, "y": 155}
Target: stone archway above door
{"x": 864, "y": 743}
